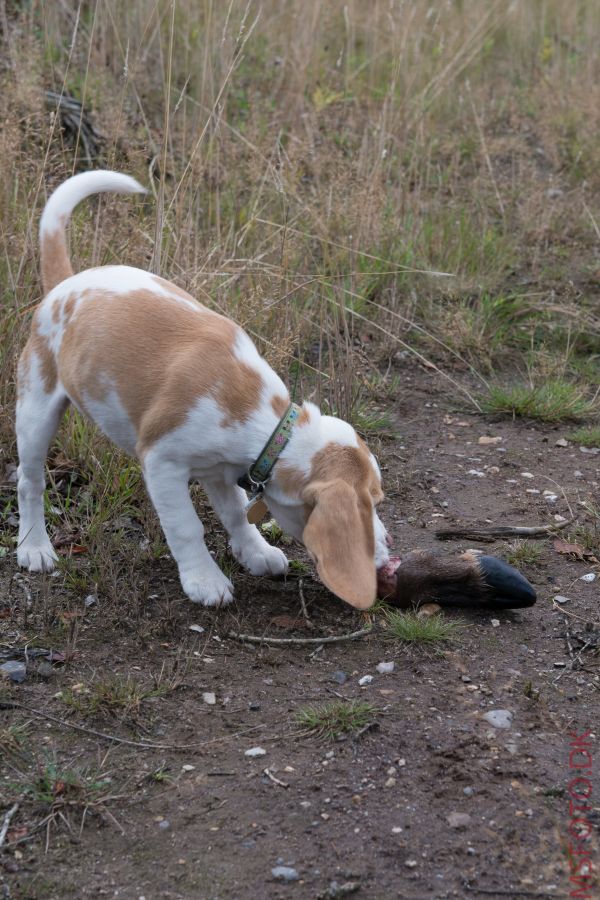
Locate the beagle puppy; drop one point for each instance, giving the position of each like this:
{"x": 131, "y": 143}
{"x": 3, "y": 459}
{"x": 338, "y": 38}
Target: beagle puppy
{"x": 184, "y": 390}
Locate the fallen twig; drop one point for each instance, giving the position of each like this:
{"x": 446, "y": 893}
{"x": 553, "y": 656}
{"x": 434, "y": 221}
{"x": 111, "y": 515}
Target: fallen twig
{"x": 6, "y": 823}
{"x": 290, "y": 642}
{"x": 496, "y": 531}
{"x": 272, "y": 778}
{"x": 142, "y": 745}
{"x": 307, "y": 618}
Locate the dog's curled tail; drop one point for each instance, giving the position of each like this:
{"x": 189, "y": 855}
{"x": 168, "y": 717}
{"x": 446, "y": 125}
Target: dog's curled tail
{"x": 56, "y": 265}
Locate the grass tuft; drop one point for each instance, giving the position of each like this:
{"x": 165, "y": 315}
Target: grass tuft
{"x": 521, "y": 553}
{"x": 408, "y": 627}
{"x": 554, "y": 401}
{"x": 330, "y": 720}
{"x": 586, "y": 437}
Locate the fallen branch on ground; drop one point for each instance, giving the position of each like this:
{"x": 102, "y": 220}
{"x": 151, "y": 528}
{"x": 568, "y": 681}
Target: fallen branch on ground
{"x": 142, "y": 745}
{"x": 6, "y": 823}
{"x": 291, "y": 642}
{"x": 500, "y": 531}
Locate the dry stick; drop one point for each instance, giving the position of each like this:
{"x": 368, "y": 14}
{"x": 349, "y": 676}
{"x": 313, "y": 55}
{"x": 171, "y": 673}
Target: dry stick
{"x": 6, "y": 823}
{"x": 10, "y": 704}
{"x": 475, "y": 534}
{"x": 290, "y": 642}
{"x": 307, "y": 618}
{"x": 272, "y": 778}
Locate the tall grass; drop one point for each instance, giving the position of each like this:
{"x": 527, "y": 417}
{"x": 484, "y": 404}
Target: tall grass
{"x": 346, "y": 179}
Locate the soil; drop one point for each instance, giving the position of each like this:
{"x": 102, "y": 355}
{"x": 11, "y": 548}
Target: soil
{"x": 372, "y": 809}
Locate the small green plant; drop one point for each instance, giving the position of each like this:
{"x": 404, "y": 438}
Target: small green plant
{"x": 523, "y": 553}
{"x": 117, "y": 696}
{"x": 554, "y": 401}
{"x": 586, "y": 437}
{"x": 408, "y": 627}
{"x": 330, "y": 720}
{"x": 298, "y": 567}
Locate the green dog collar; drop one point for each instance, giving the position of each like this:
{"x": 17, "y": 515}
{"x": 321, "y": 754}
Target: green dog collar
{"x": 256, "y": 477}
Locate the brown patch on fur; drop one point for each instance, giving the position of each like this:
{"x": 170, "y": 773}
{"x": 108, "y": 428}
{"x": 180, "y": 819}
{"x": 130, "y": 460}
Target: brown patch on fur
{"x": 279, "y": 405}
{"x": 290, "y": 479}
{"x": 303, "y": 418}
{"x": 69, "y": 306}
{"x": 36, "y": 346}
{"x": 56, "y": 265}
{"x": 160, "y": 356}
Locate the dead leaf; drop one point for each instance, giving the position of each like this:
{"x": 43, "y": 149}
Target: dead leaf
{"x": 484, "y": 439}
{"x": 574, "y": 550}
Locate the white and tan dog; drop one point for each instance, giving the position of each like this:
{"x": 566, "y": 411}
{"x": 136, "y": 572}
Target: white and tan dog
{"x": 185, "y": 390}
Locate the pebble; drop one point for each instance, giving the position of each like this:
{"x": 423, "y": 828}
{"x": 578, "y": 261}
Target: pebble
{"x": 209, "y": 698}
{"x": 499, "y": 718}
{"x": 197, "y": 628}
{"x": 284, "y": 873}
{"x": 477, "y": 472}
{"x": 484, "y": 439}
{"x": 366, "y": 679}
{"x": 495, "y": 623}
{"x": 468, "y": 791}
{"x": 255, "y": 751}
{"x": 339, "y": 677}
{"x": 410, "y": 863}
{"x": 560, "y": 599}
{"x": 336, "y": 890}
{"x": 164, "y": 825}
{"x": 591, "y": 576}
{"x": 458, "y": 819}
{"x": 14, "y": 670}
{"x": 90, "y": 600}
{"x": 385, "y": 668}
{"x": 561, "y": 442}
{"x": 527, "y": 475}
{"x": 187, "y": 767}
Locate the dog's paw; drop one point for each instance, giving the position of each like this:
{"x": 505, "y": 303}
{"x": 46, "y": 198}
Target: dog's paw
{"x": 211, "y": 590}
{"x": 264, "y": 560}
{"x": 40, "y": 558}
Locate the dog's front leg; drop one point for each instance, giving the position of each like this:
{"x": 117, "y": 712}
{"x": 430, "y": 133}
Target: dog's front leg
{"x": 247, "y": 543}
{"x": 201, "y": 578}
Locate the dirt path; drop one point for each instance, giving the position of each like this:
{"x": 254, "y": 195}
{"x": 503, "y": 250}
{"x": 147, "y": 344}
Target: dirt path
{"x": 377, "y": 812}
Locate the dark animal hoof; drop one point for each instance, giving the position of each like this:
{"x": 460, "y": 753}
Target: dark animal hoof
{"x": 509, "y": 589}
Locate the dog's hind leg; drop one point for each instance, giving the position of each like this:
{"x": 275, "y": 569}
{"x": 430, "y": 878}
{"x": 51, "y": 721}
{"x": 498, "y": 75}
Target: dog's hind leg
{"x": 38, "y": 416}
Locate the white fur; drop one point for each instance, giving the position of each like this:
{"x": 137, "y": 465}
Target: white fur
{"x": 204, "y": 446}
{"x": 65, "y": 198}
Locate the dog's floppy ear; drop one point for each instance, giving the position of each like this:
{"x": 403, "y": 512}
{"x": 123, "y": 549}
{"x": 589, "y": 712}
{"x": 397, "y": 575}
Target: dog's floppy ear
{"x": 339, "y": 536}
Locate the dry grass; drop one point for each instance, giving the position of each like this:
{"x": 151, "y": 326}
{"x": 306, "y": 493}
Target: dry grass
{"x": 345, "y": 179}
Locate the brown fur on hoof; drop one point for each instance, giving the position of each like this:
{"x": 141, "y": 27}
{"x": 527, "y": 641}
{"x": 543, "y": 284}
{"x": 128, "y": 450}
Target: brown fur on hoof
{"x": 468, "y": 580}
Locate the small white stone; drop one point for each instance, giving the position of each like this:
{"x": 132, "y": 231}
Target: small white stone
{"x": 558, "y": 518}
{"x": 197, "y": 628}
{"x": 188, "y": 768}
{"x": 209, "y": 698}
{"x": 495, "y": 623}
{"x": 384, "y": 668}
{"x": 255, "y": 751}
{"x": 527, "y": 475}
{"x": 560, "y": 599}
{"x": 477, "y": 472}
{"x": 531, "y": 491}
{"x": 591, "y": 576}
{"x": 410, "y": 863}
{"x": 396, "y": 829}
{"x": 366, "y": 679}
{"x": 561, "y": 442}
{"x": 499, "y": 718}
